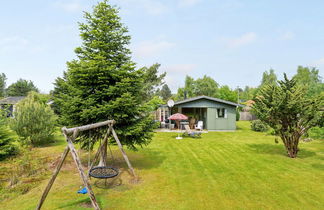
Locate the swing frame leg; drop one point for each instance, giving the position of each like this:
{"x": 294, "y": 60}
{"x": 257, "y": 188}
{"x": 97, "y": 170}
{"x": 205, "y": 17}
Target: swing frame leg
{"x": 84, "y": 178}
{"x": 51, "y": 181}
{"x": 124, "y": 154}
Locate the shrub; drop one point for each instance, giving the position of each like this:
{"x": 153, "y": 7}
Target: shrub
{"x": 237, "y": 112}
{"x": 34, "y": 121}
{"x": 7, "y": 137}
{"x": 258, "y": 125}
{"x": 316, "y": 133}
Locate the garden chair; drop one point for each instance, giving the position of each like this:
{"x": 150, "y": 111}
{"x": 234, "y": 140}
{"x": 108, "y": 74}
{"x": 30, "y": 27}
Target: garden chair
{"x": 191, "y": 133}
{"x": 199, "y": 125}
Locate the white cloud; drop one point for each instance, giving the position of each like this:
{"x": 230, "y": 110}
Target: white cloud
{"x": 288, "y": 35}
{"x": 176, "y": 73}
{"x": 151, "y": 48}
{"x": 151, "y": 7}
{"x": 245, "y": 39}
{"x": 188, "y": 3}
{"x": 69, "y": 5}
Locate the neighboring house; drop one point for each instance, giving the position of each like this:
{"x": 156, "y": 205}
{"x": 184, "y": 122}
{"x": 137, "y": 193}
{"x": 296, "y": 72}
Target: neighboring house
{"x": 9, "y": 103}
{"x": 216, "y": 114}
{"x": 246, "y": 114}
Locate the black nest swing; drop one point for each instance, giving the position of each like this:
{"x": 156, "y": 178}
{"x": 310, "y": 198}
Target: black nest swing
{"x": 103, "y": 172}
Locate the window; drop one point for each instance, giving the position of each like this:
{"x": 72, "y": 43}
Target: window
{"x": 221, "y": 113}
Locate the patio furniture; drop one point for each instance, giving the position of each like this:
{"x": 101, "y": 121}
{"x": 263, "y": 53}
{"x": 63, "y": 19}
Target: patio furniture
{"x": 171, "y": 126}
{"x": 182, "y": 124}
{"x": 189, "y": 132}
{"x": 177, "y": 117}
{"x": 199, "y": 125}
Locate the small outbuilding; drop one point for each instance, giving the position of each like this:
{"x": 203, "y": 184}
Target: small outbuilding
{"x": 216, "y": 114}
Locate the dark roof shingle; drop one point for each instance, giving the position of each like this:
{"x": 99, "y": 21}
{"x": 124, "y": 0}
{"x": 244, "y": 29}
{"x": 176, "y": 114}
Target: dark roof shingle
{"x": 12, "y": 99}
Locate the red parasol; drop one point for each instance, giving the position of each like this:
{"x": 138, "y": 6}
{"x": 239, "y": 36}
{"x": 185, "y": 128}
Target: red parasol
{"x": 178, "y": 116}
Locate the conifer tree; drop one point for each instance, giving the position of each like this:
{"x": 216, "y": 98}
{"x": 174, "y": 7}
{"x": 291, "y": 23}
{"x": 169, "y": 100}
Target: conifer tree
{"x": 7, "y": 137}
{"x": 286, "y": 109}
{"x": 103, "y": 83}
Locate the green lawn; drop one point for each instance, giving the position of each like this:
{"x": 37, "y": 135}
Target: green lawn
{"x": 222, "y": 170}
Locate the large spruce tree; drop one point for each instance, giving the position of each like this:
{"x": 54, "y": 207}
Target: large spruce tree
{"x": 103, "y": 83}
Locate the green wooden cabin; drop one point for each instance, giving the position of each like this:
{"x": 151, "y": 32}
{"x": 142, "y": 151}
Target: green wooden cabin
{"x": 216, "y": 114}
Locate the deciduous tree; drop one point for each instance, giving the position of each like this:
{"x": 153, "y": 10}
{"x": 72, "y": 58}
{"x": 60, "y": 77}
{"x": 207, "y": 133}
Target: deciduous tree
{"x": 152, "y": 81}
{"x": 202, "y": 86}
{"x": 227, "y": 94}
{"x": 3, "y": 80}
{"x": 269, "y": 78}
{"x": 165, "y": 92}
{"x": 310, "y": 78}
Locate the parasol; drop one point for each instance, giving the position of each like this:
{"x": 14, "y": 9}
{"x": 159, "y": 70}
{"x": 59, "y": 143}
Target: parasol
{"x": 178, "y": 117}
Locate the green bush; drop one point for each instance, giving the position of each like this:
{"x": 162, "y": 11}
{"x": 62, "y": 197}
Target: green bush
{"x": 316, "y": 133}
{"x": 258, "y": 125}
{"x": 7, "y": 137}
{"x": 237, "y": 112}
{"x": 34, "y": 121}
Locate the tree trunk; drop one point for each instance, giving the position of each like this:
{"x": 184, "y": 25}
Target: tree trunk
{"x": 291, "y": 145}
{"x": 103, "y": 155}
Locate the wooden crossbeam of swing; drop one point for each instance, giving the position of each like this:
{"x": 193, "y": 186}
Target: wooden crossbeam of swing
{"x": 88, "y": 127}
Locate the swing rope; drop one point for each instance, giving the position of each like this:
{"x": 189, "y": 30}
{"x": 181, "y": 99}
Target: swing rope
{"x": 89, "y": 155}
{"x": 111, "y": 154}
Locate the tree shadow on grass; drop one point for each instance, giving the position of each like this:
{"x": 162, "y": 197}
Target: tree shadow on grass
{"x": 318, "y": 166}
{"x": 149, "y": 159}
{"x": 143, "y": 159}
{"x": 278, "y": 150}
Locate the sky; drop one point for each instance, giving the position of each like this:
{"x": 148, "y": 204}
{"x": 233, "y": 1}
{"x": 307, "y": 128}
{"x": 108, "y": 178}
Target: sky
{"x": 233, "y": 41}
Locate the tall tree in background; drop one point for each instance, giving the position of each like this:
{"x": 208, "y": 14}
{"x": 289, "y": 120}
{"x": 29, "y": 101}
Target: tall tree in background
{"x": 202, "y": 86}
{"x": 3, "y": 80}
{"x": 206, "y": 86}
{"x": 165, "y": 92}
{"x": 21, "y": 88}
{"x": 286, "y": 109}
{"x": 152, "y": 81}
{"x": 269, "y": 78}
{"x": 102, "y": 83}
{"x": 187, "y": 90}
{"x": 309, "y": 77}
{"x": 227, "y": 94}
{"x": 248, "y": 93}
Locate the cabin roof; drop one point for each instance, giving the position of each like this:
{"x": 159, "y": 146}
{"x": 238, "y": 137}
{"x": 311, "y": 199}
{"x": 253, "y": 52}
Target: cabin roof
{"x": 208, "y": 98}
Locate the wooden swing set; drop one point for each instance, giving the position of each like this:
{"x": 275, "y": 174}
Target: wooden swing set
{"x": 70, "y": 135}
